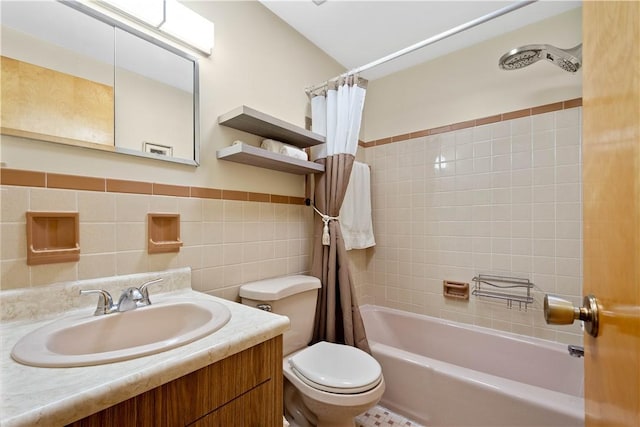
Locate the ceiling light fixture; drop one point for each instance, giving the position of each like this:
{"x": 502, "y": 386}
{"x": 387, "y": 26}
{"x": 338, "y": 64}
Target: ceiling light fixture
{"x": 171, "y": 18}
{"x": 186, "y": 25}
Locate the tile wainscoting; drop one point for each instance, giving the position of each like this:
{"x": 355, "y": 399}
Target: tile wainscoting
{"x": 230, "y": 237}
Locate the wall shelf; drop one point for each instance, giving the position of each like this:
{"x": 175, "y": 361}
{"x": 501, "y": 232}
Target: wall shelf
{"x": 254, "y": 156}
{"x": 164, "y": 233}
{"x": 252, "y": 121}
{"x": 52, "y": 237}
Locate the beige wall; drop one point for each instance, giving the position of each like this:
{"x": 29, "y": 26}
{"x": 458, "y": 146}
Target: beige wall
{"x": 257, "y": 61}
{"x": 468, "y": 84}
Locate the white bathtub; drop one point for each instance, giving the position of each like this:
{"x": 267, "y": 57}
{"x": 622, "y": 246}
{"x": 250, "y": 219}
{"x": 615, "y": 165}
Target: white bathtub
{"x": 440, "y": 373}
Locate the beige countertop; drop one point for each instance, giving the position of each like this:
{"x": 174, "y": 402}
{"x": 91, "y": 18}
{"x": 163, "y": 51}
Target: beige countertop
{"x": 32, "y": 396}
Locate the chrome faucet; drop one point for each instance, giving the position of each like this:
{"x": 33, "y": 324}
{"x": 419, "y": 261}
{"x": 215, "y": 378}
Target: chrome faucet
{"x": 130, "y": 299}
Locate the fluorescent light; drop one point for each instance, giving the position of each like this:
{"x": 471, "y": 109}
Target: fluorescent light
{"x": 186, "y": 25}
{"x": 169, "y": 17}
{"x": 148, "y": 11}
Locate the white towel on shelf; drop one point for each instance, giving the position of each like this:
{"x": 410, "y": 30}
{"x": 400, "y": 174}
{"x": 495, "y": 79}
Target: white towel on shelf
{"x": 272, "y": 145}
{"x": 295, "y": 152}
{"x": 355, "y": 213}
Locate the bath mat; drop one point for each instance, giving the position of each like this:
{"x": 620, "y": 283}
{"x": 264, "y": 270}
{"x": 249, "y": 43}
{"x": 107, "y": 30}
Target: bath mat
{"x": 380, "y": 416}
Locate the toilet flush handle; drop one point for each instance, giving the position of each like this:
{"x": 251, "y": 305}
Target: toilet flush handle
{"x": 265, "y": 307}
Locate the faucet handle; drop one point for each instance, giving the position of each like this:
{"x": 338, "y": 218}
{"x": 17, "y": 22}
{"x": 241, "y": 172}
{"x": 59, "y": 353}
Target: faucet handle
{"x": 105, "y": 302}
{"x": 145, "y": 292}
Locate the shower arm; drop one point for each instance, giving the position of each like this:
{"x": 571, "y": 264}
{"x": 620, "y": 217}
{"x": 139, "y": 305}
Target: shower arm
{"x": 427, "y": 42}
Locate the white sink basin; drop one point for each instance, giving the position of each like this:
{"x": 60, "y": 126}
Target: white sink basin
{"x": 84, "y": 340}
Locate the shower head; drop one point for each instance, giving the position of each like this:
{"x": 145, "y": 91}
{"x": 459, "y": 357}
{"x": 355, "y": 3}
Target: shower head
{"x": 568, "y": 59}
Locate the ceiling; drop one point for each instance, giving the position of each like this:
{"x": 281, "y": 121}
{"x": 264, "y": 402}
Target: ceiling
{"x": 357, "y": 32}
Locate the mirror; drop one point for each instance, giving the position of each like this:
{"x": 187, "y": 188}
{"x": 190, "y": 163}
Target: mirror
{"x": 71, "y": 75}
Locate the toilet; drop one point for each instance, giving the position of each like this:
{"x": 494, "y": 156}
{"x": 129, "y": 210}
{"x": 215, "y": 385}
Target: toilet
{"x": 326, "y": 384}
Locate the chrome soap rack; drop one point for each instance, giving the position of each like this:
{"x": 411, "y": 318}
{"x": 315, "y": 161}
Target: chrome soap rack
{"x": 511, "y": 289}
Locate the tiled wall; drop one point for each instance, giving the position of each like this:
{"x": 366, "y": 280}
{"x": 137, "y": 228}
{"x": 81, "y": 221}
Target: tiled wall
{"x": 497, "y": 195}
{"x": 502, "y": 198}
{"x": 226, "y": 242}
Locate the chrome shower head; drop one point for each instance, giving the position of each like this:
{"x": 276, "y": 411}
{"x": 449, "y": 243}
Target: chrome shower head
{"x": 569, "y": 60}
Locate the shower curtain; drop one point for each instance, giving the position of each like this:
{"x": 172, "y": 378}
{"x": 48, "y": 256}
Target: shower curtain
{"x": 336, "y": 113}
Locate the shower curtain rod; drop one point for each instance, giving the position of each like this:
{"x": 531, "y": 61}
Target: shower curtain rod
{"x": 430, "y": 40}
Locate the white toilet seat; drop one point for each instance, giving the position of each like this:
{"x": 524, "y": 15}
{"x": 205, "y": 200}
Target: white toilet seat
{"x": 336, "y": 368}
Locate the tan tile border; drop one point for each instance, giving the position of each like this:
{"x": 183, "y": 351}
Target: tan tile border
{"x": 297, "y": 200}
{"x": 25, "y": 178}
{"x": 73, "y": 182}
{"x": 572, "y": 103}
{"x": 206, "y": 193}
{"x": 259, "y": 197}
{"x": 125, "y": 186}
{"x": 171, "y": 190}
{"x": 279, "y": 199}
{"x": 488, "y": 120}
{"x": 235, "y": 195}
{"x": 22, "y": 177}
{"x": 541, "y": 109}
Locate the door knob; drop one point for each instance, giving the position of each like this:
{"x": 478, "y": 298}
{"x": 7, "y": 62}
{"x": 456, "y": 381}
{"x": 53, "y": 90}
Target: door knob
{"x": 558, "y": 311}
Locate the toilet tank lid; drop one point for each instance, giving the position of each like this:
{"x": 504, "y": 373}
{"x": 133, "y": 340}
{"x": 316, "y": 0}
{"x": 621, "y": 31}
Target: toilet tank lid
{"x": 278, "y": 287}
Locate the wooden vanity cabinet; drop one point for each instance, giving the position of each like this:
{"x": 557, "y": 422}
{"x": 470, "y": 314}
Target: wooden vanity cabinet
{"x": 242, "y": 390}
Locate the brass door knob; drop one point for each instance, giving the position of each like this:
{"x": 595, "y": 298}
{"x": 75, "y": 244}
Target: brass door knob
{"x": 558, "y": 311}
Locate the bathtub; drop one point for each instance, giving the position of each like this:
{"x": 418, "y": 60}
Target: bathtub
{"x": 441, "y": 373}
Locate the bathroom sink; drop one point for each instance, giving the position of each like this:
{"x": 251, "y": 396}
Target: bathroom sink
{"x": 83, "y": 340}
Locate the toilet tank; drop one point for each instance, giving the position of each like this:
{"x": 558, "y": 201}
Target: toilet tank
{"x": 291, "y": 296}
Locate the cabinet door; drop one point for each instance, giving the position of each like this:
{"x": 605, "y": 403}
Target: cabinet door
{"x": 252, "y": 409}
{"x": 246, "y": 388}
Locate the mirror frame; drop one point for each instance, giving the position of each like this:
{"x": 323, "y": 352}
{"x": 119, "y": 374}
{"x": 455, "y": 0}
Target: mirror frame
{"x": 196, "y": 82}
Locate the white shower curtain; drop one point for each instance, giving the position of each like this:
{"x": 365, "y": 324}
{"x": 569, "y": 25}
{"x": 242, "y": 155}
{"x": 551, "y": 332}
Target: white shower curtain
{"x": 337, "y": 114}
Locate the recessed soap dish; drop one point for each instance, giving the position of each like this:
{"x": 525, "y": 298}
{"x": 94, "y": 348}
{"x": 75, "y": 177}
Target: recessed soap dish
{"x": 52, "y": 237}
{"x": 456, "y": 290}
{"x": 164, "y": 233}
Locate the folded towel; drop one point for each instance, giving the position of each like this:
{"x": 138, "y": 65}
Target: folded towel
{"x": 355, "y": 214}
{"x": 295, "y": 152}
{"x": 272, "y": 145}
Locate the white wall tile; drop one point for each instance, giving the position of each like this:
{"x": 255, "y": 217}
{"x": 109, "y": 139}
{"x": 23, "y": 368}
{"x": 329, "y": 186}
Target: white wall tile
{"x": 113, "y": 239}
{"x": 521, "y": 126}
{"x": 543, "y": 158}
{"x": 15, "y": 202}
{"x": 541, "y": 122}
{"x": 516, "y": 212}
{"x": 41, "y": 199}
{"x": 543, "y": 140}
